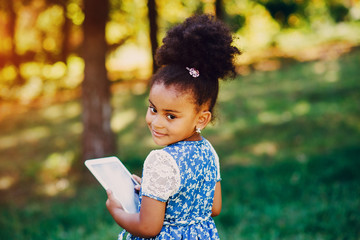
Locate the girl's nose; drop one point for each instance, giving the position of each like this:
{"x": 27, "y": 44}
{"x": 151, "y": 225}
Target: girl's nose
{"x": 157, "y": 122}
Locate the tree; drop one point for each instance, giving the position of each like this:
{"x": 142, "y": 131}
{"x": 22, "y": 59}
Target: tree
{"x": 219, "y": 11}
{"x": 98, "y": 139}
{"x": 14, "y": 57}
{"x": 66, "y": 32}
{"x": 152, "y": 15}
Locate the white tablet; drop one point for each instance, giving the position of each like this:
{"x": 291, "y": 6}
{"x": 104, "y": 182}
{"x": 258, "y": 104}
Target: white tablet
{"x": 113, "y": 175}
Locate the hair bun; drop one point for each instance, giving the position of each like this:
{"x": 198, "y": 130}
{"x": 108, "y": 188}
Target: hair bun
{"x": 200, "y": 42}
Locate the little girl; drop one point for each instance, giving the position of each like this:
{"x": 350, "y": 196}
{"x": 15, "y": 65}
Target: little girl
{"x": 180, "y": 188}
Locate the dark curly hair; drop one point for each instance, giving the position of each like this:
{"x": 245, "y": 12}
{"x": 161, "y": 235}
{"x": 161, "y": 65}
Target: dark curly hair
{"x": 200, "y": 42}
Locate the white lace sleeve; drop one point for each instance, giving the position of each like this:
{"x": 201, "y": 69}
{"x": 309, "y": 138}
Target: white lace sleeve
{"x": 217, "y": 162}
{"x": 161, "y": 176}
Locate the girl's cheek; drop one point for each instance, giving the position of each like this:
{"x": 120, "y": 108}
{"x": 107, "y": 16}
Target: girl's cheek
{"x": 148, "y": 117}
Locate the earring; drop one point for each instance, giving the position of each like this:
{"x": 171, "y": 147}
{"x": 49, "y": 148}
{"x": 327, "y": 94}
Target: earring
{"x": 198, "y": 130}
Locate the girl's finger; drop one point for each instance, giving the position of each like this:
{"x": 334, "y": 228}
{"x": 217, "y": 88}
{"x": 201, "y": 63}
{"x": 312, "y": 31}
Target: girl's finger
{"x": 137, "y": 178}
{"x": 109, "y": 194}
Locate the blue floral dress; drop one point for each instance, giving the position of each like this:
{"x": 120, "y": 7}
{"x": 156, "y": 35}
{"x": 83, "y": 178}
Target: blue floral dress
{"x": 183, "y": 175}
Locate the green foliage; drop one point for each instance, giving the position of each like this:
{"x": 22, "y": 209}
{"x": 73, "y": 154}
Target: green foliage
{"x": 282, "y": 10}
{"x": 235, "y": 22}
{"x": 338, "y": 11}
{"x": 45, "y": 59}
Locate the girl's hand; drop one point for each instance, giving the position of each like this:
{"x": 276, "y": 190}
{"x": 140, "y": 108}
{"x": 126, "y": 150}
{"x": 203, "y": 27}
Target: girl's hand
{"x": 112, "y": 203}
{"x": 138, "y": 179}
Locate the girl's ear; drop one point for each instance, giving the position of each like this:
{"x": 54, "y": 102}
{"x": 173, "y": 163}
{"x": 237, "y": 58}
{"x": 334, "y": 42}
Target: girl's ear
{"x": 204, "y": 119}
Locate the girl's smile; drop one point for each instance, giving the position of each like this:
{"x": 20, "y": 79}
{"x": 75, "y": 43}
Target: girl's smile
{"x": 172, "y": 115}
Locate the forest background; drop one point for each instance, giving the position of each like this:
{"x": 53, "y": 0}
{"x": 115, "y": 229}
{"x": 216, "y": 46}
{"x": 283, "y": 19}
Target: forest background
{"x": 73, "y": 86}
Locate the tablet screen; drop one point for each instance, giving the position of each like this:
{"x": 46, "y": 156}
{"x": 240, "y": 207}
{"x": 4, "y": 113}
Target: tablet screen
{"x": 112, "y": 174}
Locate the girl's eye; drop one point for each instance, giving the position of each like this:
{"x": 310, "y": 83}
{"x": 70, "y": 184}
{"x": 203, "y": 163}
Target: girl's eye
{"x": 171, "y": 117}
{"x": 152, "y": 109}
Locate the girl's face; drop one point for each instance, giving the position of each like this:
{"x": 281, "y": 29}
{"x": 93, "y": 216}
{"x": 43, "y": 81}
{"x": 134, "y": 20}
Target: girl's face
{"x": 172, "y": 115}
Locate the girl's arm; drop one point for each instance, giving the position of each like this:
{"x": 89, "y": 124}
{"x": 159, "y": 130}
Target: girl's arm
{"x": 217, "y": 203}
{"x": 147, "y": 223}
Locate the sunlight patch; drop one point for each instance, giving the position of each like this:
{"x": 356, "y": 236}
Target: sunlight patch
{"x": 6, "y": 182}
{"x": 129, "y": 61}
{"x": 331, "y": 76}
{"x": 139, "y": 88}
{"x": 319, "y": 67}
{"x": 54, "y": 71}
{"x": 53, "y": 112}
{"x": 267, "y": 65}
{"x": 75, "y": 72}
{"x": 237, "y": 159}
{"x": 54, "y": 170}
{"x": 75, "y": 13}
{"x": 8, "y": 141}
{"x": 30, "y": 90}
{"x": 56, "y": 165}
{"x": 53, "y": 188}
{"x": 265, "y": 148}
{"x": 35, "y": 134}
{"x": 29, "y": 135}
{"x": 121, "y": 120}
{"x": 76, "y": 128}
{"x": 274, "y": 118}
{"x": 30, "y": 69}
{"x": 8, "y": 73}
{"x": 301, "y": 108}
{"x": 56, "y": 112}
{"x": 240, "y": 124}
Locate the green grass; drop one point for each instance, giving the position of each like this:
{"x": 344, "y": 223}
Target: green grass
{"x": 289, "y": 142}
{"x": 290, "y": 200}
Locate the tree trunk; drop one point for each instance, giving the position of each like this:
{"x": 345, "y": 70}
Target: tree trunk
{"x": 14, "y": 57}
{"x": 98, "y": 139}
{"x": 66, "y": 33}
{"x": 152, "y": 15}
{"x": 219, "y": 9}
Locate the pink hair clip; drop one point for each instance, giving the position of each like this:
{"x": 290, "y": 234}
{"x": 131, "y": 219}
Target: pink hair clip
{"x": 193, "y": 72}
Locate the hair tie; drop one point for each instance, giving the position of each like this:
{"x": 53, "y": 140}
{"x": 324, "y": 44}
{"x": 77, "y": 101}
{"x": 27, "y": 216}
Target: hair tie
{"x": 193, "y": 72}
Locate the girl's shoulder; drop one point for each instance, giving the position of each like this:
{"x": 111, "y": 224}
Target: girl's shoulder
{"x": 178, "y": 149}
{"x": 158, "y": 155}
{"x": 161, "y": 176}
{"x": 161, "y": 161}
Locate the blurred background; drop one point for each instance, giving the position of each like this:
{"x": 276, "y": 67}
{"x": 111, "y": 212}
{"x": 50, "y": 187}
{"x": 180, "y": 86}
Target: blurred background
{"x": 73, "y": 86}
